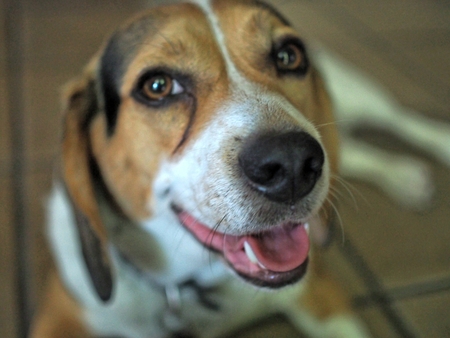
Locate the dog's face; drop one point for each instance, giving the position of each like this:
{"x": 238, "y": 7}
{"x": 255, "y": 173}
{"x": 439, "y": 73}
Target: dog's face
{"x": 212, "y": 110}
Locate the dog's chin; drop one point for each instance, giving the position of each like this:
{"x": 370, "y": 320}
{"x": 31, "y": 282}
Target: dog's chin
{"x": 273, "y": 258}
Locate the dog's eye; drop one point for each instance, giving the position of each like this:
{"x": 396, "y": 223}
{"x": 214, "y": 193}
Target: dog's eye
{"x": 291, "y": 57}
{"x": 160, "y": 86}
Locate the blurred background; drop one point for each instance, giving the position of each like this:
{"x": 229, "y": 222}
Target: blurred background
{"x": 394, "y": 262}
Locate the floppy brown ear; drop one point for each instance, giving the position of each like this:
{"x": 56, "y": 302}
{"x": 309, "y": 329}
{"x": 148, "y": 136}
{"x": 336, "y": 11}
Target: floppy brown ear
{"x": 322, "y": 232}
{"x": 78, "y": 170}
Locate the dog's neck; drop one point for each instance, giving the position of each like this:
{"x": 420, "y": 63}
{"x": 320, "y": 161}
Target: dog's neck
{"x": 155, "y": 246}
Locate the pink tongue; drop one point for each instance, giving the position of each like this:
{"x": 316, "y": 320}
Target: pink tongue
{"x": 281, "y": 249}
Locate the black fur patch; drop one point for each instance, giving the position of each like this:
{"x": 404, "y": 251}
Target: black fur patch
{"x": 118, "y": 53}
{"x": 95, "y": 257}
{"x": 111, "y": 72}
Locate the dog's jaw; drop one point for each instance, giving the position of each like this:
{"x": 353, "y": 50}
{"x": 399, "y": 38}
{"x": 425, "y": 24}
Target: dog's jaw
{"x": 273, "y": 258}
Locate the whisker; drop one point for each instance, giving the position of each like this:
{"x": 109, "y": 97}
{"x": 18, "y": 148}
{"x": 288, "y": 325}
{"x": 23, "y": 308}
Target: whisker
{"x": 336, "y": 122}
{"x": 352, "y": 190}
{"x": 341, "y": 223}
{"x": 215, "y": 228}
{"x": 335, "y": 193}
{"x": 211, "y": 235}
{"x": 348, "y": 188}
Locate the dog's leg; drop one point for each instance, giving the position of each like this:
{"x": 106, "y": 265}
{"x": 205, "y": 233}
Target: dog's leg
{"x": 427, "y": 134}
{"x": 404, "y": 178}
{"x": 59, "y": 316}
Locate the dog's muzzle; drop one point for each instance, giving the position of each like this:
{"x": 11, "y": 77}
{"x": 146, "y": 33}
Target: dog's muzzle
{"x": 282, "y": 169}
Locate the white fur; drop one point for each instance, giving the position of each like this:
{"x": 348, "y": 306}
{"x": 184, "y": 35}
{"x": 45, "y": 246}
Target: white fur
{"x": 65, "y": 243}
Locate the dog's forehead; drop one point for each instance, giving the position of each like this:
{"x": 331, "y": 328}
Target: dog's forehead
{"x": 185, "y": 31}
{"x": 212, "y": 39}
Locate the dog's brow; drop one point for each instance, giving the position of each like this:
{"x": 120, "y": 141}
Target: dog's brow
{"x": 173, "y": 47}
{"x": 272, "y": 11}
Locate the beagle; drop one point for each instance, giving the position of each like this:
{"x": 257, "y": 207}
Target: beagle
{"x": 198, "y": 156}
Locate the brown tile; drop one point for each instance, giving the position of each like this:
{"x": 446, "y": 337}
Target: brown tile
{"x": 428, "y": 315}
{"x": 421, "y": 54}
{"x": 388, "y": 14}
{"x": 417, "y": 39}
{"x": 61, "y": 37}
{"x": 401, "y": 246}
{"x": 342, "y": 270}
{"x": 435, "y": 61}
{"x": 4, "y": 121}
{"x": 8, "y": 307}
{"x": 2, "y": 37}
{"x": 43, "y": 121}
{"x": 276, "y": 326}
{"x": 5, "y": 137}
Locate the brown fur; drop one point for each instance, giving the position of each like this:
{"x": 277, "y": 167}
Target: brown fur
{"x": 59, "y": 315}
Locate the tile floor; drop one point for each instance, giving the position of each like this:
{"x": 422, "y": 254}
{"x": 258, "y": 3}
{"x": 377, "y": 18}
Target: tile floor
{"x": 395, "y": 262}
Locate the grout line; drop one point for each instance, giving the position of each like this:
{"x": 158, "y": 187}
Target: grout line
{"x": 421, "y": 289}
{"x": 14, "y": 74}
{"x": 406, "y": 292}
{"x": 372, "y": 282}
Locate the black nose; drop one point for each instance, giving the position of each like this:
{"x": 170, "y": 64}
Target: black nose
{"x": 284, "y": 167}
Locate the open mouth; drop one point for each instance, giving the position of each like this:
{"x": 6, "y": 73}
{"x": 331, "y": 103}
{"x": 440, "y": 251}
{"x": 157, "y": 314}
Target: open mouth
{"x": 273, "y": 258}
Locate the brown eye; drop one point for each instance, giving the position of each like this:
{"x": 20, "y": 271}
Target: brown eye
{"x": 158, "y": 87}
{"x": 289, "y": 58}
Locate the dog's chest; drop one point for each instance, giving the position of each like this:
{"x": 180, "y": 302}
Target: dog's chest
{"x": 144, "y": 308}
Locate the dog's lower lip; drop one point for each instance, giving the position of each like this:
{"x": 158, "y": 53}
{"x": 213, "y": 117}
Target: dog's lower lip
{"x": 284, "y": 268}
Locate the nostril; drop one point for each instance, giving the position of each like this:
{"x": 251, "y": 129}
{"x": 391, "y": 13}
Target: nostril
{"x": 314, "y": 164}
{"x": 263, "y": 174}
{"x": 268, "y": 173}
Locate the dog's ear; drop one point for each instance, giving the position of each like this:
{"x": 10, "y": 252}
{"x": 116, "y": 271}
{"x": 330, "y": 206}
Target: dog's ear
{"x": 80, "y": 106}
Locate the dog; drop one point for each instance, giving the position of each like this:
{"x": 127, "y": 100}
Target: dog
{"x": 198, "y": 164}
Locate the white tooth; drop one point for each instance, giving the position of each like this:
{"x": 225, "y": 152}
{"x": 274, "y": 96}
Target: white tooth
{"x": 262, "y": 266}
{"x": 307, "y": 227}
{"x": 251, "y": 255}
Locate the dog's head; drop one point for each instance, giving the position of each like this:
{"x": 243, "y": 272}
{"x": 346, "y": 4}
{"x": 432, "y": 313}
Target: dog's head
{"x": 213, "y": 111}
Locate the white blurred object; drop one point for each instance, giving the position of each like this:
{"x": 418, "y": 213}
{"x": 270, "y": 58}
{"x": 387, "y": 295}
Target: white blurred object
{"x": 358, "y": 100}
